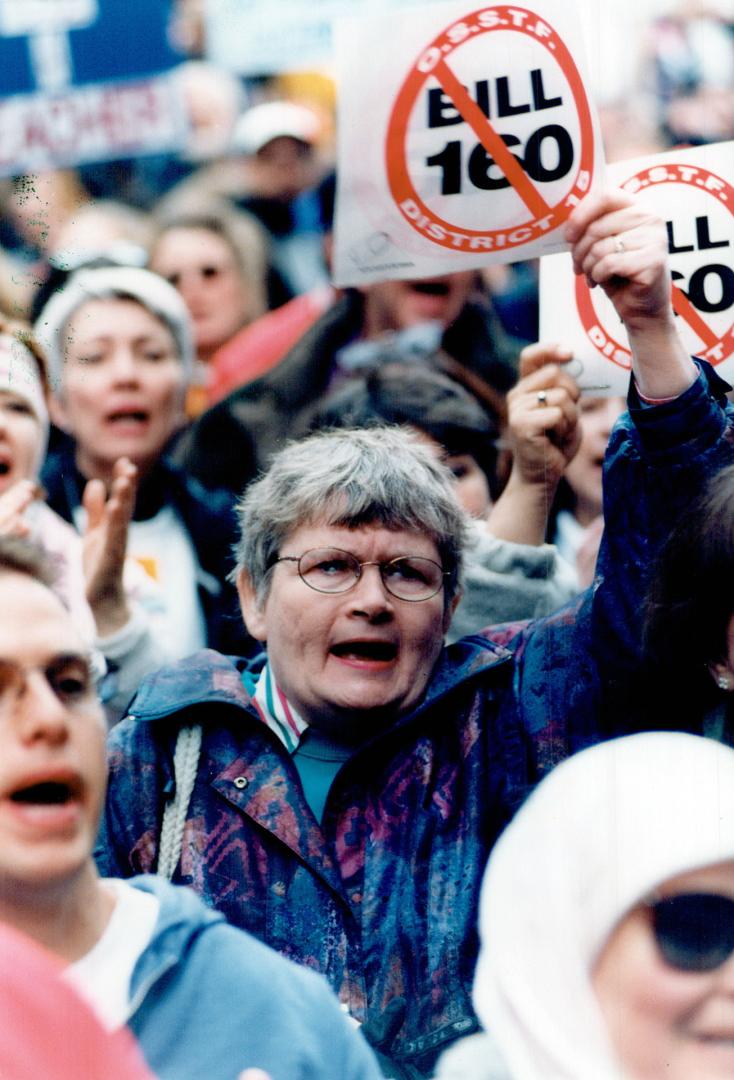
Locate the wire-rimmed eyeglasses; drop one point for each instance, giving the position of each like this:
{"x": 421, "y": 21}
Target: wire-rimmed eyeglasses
{"x": 72, "y": 678}
{"x": 331, "y": 570}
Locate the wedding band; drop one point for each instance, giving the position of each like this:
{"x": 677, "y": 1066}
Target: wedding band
{"x": 542, "y": 397}
{"x": 619, "y": 245}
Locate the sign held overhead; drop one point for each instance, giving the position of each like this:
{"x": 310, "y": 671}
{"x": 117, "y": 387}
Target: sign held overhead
{"x": 481, "y": 142}
{"x": 693, "y": 192}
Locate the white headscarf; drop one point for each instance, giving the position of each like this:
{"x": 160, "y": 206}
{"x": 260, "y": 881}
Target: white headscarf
{"x": 603, "y": 830}
{"x": 149, "y": 290}
{"x": 19, "y": 375}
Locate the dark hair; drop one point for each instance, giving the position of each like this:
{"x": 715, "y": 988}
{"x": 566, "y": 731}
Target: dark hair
{"x": 20, "y": 556}
{"x": 691, "y": 602}
{"x": 411, "y": 395}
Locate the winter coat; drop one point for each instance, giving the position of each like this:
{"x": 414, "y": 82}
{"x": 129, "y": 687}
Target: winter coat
{"x": 382, "y": 895}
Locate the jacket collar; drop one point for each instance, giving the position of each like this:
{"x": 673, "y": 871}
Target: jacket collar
{"x": 209, "y": 677}
{"x": 182, "y": 916}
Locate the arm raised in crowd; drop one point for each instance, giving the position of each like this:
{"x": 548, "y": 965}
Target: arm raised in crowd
{"x": 544, "y": 435}
{"x": 659, "y": 457}
{"x": 619, "y": 245}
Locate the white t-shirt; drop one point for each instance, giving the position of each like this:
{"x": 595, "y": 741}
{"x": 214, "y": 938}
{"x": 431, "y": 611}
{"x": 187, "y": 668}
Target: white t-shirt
{"x": 102, "y": 976}
{"x": 164, "y": 549}
{"x": 160, "y": 577}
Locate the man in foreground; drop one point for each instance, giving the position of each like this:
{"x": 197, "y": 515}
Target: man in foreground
{"x": 203, "y": 999}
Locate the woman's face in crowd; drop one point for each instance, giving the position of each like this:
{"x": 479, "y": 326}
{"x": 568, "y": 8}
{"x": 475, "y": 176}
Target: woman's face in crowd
{"x": 597, "y": 418}
{"x": 123, "y": 385}
{"x": 665, "y": 1022}
{"x": 352, "y": 659}
{"x": 470, "y": 481}
{"x": 397, "y": 305}
{"x": 470, "y": 484}
{"x": 204, "y": 269}
{"x": 20, "y": 433}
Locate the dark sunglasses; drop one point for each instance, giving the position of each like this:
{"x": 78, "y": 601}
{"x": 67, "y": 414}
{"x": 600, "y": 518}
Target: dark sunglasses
{"x": 694, "y": 931}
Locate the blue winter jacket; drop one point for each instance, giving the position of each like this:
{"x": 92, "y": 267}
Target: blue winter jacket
{"x": 209, "y": 1001}
{"x": 382, "y": 895}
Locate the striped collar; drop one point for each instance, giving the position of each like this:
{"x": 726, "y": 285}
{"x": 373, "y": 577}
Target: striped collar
{"x": 273, "y": 707}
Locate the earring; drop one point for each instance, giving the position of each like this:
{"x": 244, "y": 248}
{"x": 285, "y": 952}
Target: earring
{"x": 723, "y": 682}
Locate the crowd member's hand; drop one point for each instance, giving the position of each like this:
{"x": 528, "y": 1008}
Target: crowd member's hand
{"x": 621, "y": 246}
{"x": 13, "y": 504}
{"x": 544, "y": 435}
{"x": 105, "y": 546}
{"x": 542, "y": 415}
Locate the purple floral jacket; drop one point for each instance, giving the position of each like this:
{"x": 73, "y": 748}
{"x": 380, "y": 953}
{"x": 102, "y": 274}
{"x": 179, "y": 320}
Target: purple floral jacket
{"x": 382, "y": 896}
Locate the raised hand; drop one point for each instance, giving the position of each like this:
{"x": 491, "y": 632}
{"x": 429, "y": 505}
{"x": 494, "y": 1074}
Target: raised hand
{"x": 544, "y": 435}
{"x": 105, "y": 546}
{"x": 623, "y": 247}
{"x": 13, "y": 504}
{"x": 543, "y": 415}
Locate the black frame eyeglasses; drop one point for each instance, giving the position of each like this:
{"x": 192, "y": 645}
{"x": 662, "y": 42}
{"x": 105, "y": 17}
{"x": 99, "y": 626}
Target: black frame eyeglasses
{"x": 693, "y": 931}
{"x": 333, "y": 570}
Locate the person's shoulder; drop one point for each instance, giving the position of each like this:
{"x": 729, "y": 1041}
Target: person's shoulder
{"x": 232, "y": 958}
{"x": 187, "y": 492}
{"x": 206, "y": 676}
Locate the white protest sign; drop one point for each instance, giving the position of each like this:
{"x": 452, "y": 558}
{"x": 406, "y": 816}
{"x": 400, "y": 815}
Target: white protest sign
{"x": 692, "y": 191}
{"x": 466, "y": 137}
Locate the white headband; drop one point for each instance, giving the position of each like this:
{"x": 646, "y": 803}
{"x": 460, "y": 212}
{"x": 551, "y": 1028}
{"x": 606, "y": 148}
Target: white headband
{"x": 150, "y": 290}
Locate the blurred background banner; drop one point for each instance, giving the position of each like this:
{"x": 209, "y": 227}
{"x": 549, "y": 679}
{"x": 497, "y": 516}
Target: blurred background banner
{"x": 85, "y": 80}
{"x": 260, "y": 37}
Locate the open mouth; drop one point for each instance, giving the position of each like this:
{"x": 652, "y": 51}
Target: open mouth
{"x": 382, "y": 651}
{"x": 129, "y": 416}
{"x": 431, "y": 288}
{"x": 46, "y": 793}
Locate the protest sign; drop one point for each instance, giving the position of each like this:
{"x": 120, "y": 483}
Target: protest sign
{"x": 85, "y": 80}
{"x": 692, "y": 190}
{"x": 466, "y": 137}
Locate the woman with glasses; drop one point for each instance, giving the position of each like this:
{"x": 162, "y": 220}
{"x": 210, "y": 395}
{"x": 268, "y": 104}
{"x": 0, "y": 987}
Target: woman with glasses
{"x": 607, "y": 922}
{"x": 216, "y": 258}
{"x": 338, "y": 795}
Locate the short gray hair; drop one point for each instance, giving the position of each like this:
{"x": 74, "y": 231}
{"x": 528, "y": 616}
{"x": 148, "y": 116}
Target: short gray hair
{"x": 360, "y": 476}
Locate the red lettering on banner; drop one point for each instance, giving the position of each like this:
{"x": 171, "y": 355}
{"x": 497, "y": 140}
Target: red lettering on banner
{"x": 715, "y": 347}
{"x": 84, "y": 124}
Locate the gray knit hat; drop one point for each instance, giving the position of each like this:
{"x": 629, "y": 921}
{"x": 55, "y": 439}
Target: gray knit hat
{"x": 112, "y": 283}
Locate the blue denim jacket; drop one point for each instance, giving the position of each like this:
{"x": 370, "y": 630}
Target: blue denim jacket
{"x": 209, "y": 1001}
{"x": 381, "y": 897}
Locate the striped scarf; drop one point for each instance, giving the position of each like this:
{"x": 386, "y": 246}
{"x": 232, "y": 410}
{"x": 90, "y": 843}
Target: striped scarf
{"x": 274, "y": 709}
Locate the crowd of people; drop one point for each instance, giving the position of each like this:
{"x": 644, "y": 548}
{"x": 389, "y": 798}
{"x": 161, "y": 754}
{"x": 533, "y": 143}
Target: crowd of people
{"x": 347, "y": 729}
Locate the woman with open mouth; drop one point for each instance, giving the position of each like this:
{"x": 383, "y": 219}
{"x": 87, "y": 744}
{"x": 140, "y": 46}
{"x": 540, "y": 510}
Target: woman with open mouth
{"x": 119, "y": 346}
